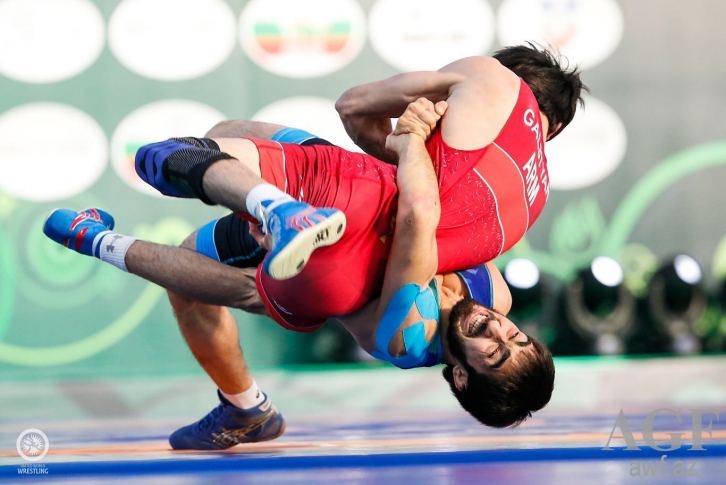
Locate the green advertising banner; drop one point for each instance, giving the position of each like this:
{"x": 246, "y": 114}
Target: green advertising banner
{"x": 638, "y": 176}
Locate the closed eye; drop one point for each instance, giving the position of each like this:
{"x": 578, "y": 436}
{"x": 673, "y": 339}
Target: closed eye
{"x": 524, "y": 343}
{"x": 502, "y": 359}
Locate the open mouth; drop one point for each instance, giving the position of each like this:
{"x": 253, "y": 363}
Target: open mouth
{"x": 476, "y": 324}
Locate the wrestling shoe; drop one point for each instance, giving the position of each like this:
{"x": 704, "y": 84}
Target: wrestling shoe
{"x": 227, "y": 425}
{"x": 81, "y": 231}
{"x": 297, "y": 229}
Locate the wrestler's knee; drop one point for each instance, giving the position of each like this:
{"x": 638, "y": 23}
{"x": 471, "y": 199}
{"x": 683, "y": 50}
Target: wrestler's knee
{"x": 243, "y": 128}
{"x": 223, "y": 129}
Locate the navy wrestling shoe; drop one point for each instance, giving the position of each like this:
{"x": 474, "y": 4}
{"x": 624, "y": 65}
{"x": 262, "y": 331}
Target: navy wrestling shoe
{"x": 297, "y": 229}
{"x": 227, "y": 425}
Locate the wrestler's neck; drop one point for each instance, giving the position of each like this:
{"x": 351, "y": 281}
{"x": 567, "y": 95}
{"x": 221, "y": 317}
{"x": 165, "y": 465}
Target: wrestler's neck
{"x": 451, "y": 290}
{"x": 452, "y": 282}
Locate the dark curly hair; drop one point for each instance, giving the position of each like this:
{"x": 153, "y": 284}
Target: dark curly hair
{"x": 503, "y": 398}
{"x": 557, "y": 87}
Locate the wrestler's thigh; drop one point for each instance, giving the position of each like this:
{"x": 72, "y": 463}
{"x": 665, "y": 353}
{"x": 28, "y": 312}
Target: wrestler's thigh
{"x": 244, "y": 128}
{"x": 243, "y": 150}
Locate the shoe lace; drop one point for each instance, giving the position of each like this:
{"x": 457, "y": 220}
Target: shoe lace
{"x": 262, "y": 217}
{"x": 210, "y": 419}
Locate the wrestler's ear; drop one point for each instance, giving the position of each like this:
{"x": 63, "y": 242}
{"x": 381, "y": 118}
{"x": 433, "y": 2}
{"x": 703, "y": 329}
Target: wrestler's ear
{"x": 552, "y": 133}
{"x": 461, "y": 377}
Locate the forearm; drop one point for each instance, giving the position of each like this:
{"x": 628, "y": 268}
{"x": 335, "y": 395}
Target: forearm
{"x": 419, "y": 208}
{"x": 391, "y": 96}
{"x": 366, "y": 110}
{"x": 416, "y": 180}
{"x": 369, "y": 133}
{"x": 413, "y": 257}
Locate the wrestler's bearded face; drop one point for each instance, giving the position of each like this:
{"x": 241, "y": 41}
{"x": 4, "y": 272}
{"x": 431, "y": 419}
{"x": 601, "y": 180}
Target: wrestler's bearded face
{"x": 481, "y": 338}
{"x": 455, "y": 334}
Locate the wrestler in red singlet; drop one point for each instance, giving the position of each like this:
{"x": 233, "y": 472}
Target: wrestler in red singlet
{"x": 489, "y": 198}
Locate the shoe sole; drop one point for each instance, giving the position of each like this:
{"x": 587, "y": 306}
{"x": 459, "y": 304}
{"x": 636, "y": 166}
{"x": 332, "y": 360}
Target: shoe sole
{"x": 185, "y": 446}
{"x": 292, "y": 259}
{"x": 271, "y": 437}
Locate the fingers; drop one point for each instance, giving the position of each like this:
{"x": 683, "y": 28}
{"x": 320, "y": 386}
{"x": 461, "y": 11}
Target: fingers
{"x": 262, "y": 240}
{"x": 441, "y": 108}
{"x": 255, "y": 232}
{"x": 420, "y": 117}
{"x": 425, "y": 111}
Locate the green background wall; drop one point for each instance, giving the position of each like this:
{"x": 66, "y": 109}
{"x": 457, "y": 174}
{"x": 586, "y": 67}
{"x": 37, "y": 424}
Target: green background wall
{"x": 62, "y": 314}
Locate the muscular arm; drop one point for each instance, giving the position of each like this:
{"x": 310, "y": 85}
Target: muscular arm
{"x": 480, "y": 93}
{"x": 366, "y": 110}
{"x": 413, "y": 259}
{"x": 500, "y": 291}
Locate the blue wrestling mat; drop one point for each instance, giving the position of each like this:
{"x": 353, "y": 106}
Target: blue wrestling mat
{"x": 393, "y": 440}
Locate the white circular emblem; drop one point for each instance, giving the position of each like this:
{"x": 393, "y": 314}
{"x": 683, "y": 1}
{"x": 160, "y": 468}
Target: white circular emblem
{"x": 584, "y": 31}
{"x": 172, "y": 40}
{"x": 50, "y": 151}
{"x": 589, "y": 148}
{"x": 416, "y": 35}
{"x": 44, "y": 41}
{"x": 32, "y": 445}
{"x": 302, "y": 38}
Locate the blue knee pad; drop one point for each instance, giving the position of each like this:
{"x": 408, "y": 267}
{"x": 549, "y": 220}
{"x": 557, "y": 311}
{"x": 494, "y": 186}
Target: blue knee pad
{"x": 229, "y": 241}
{"x": 293, "y": 135}
{"x": 205, "y": 240}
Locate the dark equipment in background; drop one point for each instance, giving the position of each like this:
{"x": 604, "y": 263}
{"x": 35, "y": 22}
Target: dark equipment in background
{"x": 532, "y": 299}
{"x": 674, "y": 304}
{"x": 597, "y": 311}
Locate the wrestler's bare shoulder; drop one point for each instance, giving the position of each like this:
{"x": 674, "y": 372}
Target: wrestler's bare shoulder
{"x": 483, "y": 70}
{"x": 481, "y": 104}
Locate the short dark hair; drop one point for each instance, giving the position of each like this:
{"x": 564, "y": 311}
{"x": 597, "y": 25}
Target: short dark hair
{"x": 500, "y": 398}
{"x": 557, "y": 87}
